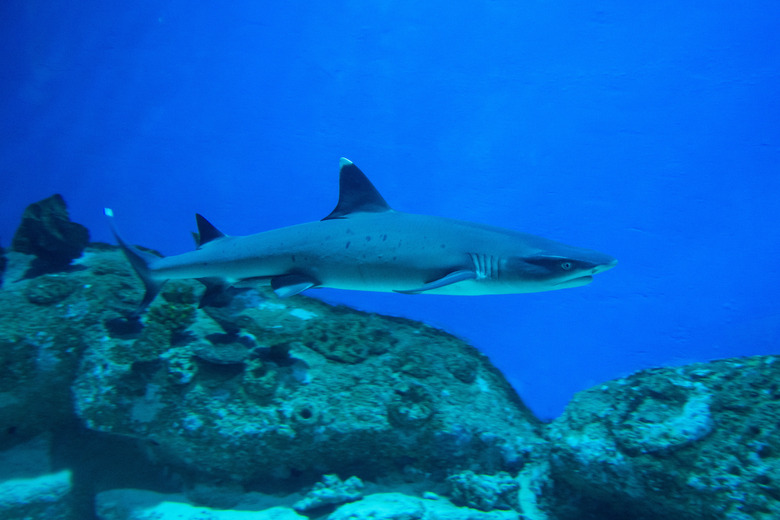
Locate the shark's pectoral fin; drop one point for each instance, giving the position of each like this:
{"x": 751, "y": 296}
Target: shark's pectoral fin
{"x": 453, "y": 277}
{"x": 291, "y": 284}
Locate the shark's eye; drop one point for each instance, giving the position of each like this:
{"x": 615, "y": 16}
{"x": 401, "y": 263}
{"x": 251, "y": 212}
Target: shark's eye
{"x": 566, "y": 266}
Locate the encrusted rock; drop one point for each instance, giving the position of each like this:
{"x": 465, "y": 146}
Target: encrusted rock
{"x": 484, "y": 492}
{"x": 37, "y": 498}
{"x": 397, "y": 506}
{"x": 49, "y": 289}
{"x": 40, "y": 348}
{"x": 224, "y": 351}
{"x": 296, "y": 387}
{"x": 29, "y": 489}
{"x": 699, "y": 441}
{"x": 47, "y": 232}
{"x": 331, "y": 490}
{"x": 283, "y": 387}
{"x": 136, "y": 504}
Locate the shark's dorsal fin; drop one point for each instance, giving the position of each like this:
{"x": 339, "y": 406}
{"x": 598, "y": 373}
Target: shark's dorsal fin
{"x": 206, "y": 231}
{"x": 356, "y": 193}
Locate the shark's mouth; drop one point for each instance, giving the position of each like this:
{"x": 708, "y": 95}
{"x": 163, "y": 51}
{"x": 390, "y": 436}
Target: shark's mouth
{"x": 575, "y": 282}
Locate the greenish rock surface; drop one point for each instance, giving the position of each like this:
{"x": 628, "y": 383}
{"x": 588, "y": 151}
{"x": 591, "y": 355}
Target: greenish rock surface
{"x": 695, "y": 442}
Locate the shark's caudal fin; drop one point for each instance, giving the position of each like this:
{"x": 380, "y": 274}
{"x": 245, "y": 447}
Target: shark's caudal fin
{"x": 140, "y": 261}
{"x": 356, "y": 193}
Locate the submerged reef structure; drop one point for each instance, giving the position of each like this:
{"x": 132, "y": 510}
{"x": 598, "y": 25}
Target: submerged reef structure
{"x": 293, "y": 408}
{"x": 693, "y": 442}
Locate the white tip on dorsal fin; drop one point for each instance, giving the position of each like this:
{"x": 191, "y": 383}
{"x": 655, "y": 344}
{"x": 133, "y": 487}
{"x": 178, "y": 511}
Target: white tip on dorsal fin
{"x": 356, "y": 193}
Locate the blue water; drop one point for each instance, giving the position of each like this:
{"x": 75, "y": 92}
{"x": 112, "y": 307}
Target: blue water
{"x": 647, "y": 131}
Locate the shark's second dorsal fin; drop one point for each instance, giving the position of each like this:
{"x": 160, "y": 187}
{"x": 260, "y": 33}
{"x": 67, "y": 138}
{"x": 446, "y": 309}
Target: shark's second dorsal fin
{"x": 206, "y": 231}
{"x": 356, "y": 193}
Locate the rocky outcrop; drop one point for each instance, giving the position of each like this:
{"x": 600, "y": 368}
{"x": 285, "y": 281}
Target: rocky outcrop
{"x": 331, "y": 491}
{"x": 284, "y": 387}
{"x": 397, "y": 506}
{"x": 47, "y": 233}
{"x": 29, "y": 488}
{"x": 695, "y": 442}
{"x": 133, "y": 504}
{"x": 47, "y": 323}
{"x": 291, "y": 387}
{"x": 136, "y": 504}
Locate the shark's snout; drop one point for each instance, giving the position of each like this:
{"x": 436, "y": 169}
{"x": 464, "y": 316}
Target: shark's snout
{"x": 605, "y": 266}
{"x": 586, "y": 277}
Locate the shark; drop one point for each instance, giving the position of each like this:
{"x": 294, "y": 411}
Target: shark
{"x": 365, "y": 245}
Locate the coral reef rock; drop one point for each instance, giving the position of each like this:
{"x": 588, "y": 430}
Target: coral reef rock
{"x": 291, "y": 387}
{"x": 47, "y": 323}
{"x": 484, "y": 492}
{"x": 47, "y": 233}
{"x": 29, "y": 488}
{"x": 695, "y": 442}
{"x": 331, "y": 490}
{"x": 397, "y": 506}
{"x": 135, "y": 504}
{"x": 284, "y": 388}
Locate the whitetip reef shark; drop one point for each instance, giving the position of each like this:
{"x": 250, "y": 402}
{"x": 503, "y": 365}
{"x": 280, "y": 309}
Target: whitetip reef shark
{"x": 365, "y": 245}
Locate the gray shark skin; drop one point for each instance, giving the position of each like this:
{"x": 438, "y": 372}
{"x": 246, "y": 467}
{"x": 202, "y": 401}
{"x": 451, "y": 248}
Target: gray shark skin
{"x": 365, "y": 245}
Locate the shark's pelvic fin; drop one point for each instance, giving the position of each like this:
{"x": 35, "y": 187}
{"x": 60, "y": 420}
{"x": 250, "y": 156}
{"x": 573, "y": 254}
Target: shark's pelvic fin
{"x": 206, "y": 230}
{"x": 140, "y": 261}
{"x": 291, "y": 284}
{"x": 453, "y": 277}
{"x": 356, "y": 193}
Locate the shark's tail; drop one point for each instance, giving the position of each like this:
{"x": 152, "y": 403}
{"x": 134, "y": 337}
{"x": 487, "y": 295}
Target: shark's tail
{"x": 140, "y": 261}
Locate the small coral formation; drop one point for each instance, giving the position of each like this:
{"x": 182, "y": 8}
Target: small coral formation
{"x": 47, "y": 233}
{"x": 700, "y": 441}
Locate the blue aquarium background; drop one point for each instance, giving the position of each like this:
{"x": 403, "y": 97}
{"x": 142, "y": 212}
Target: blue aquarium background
{"x": 647, "y": 131}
